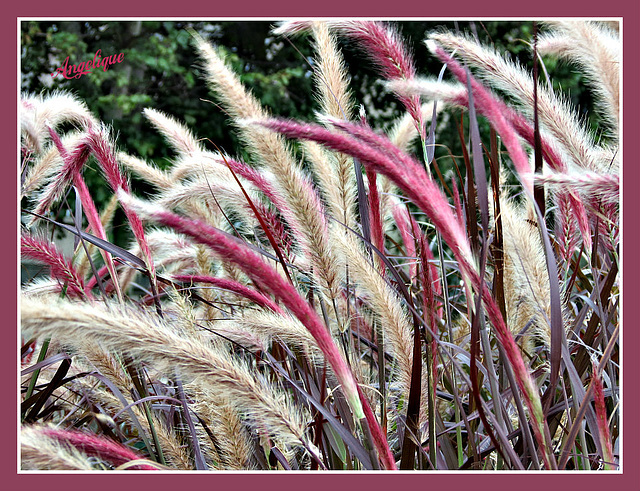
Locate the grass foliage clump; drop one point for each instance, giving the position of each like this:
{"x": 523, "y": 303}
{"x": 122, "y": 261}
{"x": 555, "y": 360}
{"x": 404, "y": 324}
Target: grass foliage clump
{"x": 334, "y": 299}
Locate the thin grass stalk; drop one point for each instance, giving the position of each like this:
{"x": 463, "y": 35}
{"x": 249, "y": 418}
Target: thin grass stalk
{"x": 106, "y": 217}
{"x": 98, "y": 229}
{"x": 586, "y": 402}
{"x": 479, "y": 174}
{"x": 428, "y": 150}
{"x": 36, "y": 373}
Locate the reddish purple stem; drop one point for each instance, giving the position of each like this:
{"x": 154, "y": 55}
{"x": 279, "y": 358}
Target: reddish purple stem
{"x": 232, "y": 286}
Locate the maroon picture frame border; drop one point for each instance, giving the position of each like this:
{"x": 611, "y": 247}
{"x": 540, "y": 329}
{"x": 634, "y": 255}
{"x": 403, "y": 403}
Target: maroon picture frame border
{"x": 629, "y": 480}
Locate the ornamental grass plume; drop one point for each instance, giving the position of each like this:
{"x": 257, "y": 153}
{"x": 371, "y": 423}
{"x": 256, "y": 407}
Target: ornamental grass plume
{"x": 603, "y": 426}
{"x": 596, "y": 49}
{"x": 38, "y": 452}
{"x": 232, "y": 250}
{"x": 39, "y": 112}
{"x": 556, "y": 117}
{"x": 55, "y": 449}
{"x": 332, "y": 82}
{"x": 329, "y": 292}
{"x": 375, "y": 151}
{"x": 232, "y": 286}
{"x": 61, "y": 268}
{"x": 526, "y": 279}
{"x": 496, "y": 109}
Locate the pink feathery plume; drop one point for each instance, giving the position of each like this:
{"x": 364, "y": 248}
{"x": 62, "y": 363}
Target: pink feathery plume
{"x": 606, "y": 216}
{"x": 89, "y": 207}
{"x": 277, "y": 227}
{"x": 232, "y": 286}
{"x": 428, "y": 257}
{"x": 45, "y": 252}
{"x": 95, "y": 446}
{"x": 580, "y": 215}
{"x": 526, "y": 131}
{"x": 405, "y": 171}
{"x": 431, "y": 309}
{"x": 566, "y": 233}
{"x": 384, "y": 46}
{"x": 85, "y": 197}
{"x": 411, "y": 232}
{"x": 375, "y": 217}
{"x": 72, "y": 165}
{"x": 519, "y": 123}
{"x": 106, "y": 158}
{"x": 273, "y": 221}
{"x": 523, "y": 377}
{"x": 416, "y": 184}
{"x": 601, "y": 417}
{"x": 493, "y": 110}
{"x": 257, "y": 179}
{"x": 231, "y": 249}
{"x": 604, "y": 187}
{"x": 430, "y": 288}
{"x": 555, "y": 162}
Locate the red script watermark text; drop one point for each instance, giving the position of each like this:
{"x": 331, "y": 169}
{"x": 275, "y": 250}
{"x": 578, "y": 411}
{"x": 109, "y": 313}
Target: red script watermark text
{"x": 85, "y": 67}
